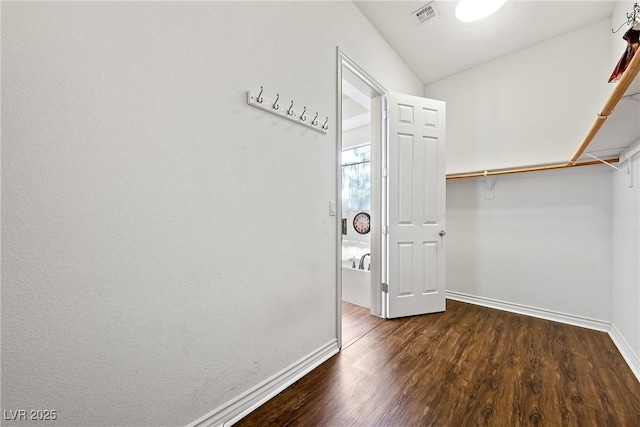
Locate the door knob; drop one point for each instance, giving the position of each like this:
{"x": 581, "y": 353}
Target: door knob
{"x": 442, "y": 233}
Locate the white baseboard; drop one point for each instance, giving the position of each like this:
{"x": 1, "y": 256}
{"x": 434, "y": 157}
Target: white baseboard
{"x": 555, "y": 316}
{"x": 625, "y": 349}
{"x": 234, "y": 410}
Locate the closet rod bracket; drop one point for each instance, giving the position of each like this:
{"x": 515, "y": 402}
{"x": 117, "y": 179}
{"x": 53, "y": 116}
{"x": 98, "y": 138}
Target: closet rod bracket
{"x": 489, "y": 187}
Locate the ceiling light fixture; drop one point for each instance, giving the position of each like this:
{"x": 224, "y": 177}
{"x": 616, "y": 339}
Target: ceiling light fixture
{"x": 474, "y": 10}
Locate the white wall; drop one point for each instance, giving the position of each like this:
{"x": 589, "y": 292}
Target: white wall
{"x": 544, "y": 242}
{"x": 625, "y": 306}
{"x": 527, "y": 108}
{"x": 165, "y": 246}
{"x": 625, "y": 298}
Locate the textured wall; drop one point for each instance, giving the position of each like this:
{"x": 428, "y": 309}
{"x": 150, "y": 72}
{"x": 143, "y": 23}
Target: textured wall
{"x": 165, "y": 247}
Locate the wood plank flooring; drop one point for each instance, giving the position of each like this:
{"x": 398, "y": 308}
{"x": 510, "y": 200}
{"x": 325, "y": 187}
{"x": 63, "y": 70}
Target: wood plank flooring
{"x": 467, "y": 366}
{"x": 356, "y": 322}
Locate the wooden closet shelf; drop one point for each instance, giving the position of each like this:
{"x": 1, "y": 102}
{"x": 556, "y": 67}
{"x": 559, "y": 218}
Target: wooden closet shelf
{"x": 621, "y": 87}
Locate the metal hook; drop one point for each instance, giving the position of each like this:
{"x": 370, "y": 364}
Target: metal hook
{"x": 615, "y": 31}
{"x": 302, "y": 116}
{"x": 324, "y": 125}
{"x": 314, "y": 121}
{"x": 259, "y": 99}
{"x": 290, "y": 110}
{"x": 631, "y": 17}
{"x": 275, "y": 103}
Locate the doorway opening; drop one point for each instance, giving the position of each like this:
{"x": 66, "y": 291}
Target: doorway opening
{"x": 404, "y": 190}
{"x": 360, "y": 152}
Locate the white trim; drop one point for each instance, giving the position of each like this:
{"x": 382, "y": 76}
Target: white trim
{"x": 360, "y": 73}
{"x": 555, "y": 316}
{"x": 625, "y": 349}
{"x": 376, "y": 293}
{"x": 339, "y": 61}
{"x": 234, "y": 410}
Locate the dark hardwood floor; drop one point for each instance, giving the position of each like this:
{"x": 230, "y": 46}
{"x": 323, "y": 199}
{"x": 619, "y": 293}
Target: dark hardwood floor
{"x": 356, "y": 322}
{"x": 467, "y": 366}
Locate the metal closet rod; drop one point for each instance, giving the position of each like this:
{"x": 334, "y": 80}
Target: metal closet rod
{"x": 623, "y": 84}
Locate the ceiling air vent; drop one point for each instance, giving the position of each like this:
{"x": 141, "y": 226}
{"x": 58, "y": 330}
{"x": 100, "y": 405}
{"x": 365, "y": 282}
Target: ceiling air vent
{"x": 426, "y": 12}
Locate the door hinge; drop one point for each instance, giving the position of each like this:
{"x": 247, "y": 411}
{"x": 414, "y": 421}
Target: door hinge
{"x": 385, "y": 172}
{"x": 385, "y": 114}
{"x": 385, "y": 230}
{"x": 384, "y": 287}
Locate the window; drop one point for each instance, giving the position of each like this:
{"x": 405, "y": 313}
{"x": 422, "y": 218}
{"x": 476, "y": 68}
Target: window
{"x": 356, "y": 179}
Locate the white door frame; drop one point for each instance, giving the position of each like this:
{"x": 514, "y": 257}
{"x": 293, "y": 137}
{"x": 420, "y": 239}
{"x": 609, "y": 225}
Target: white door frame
{"x": 377, "y": 306}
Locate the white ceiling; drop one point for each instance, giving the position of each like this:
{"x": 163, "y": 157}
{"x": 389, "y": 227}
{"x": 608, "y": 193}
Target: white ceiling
{"x": 356, "y": 102}
{"x": 443, "y": 46}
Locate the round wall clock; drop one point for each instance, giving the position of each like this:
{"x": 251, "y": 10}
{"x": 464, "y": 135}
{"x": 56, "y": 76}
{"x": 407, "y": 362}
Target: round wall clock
{"x": 362, "y": 223}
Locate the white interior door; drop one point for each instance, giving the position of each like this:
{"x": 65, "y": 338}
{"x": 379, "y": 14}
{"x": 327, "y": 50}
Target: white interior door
{"x": 415, "y": 253}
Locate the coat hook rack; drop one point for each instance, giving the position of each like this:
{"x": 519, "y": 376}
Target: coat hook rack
{"x": 274, "y": 108}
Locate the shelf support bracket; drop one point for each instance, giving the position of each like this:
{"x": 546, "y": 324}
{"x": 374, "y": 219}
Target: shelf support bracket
{"x": 604, "y": 162}
{"x": 629, "y": 170}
